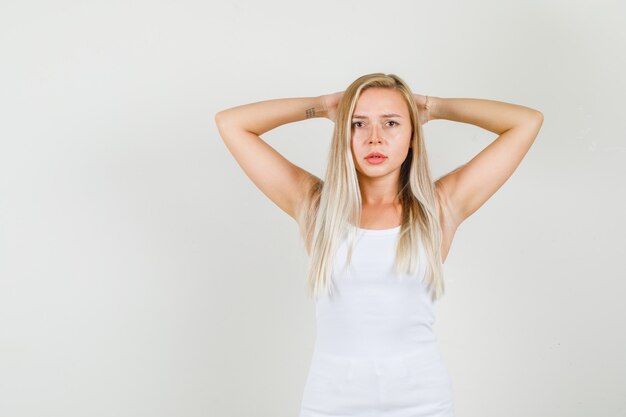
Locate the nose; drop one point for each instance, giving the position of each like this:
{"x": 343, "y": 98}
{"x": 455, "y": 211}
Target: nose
{"x": 375, "y": 136}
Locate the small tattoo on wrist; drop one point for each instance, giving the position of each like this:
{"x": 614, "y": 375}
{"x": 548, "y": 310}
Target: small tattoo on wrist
{"x": 310, "y": 112}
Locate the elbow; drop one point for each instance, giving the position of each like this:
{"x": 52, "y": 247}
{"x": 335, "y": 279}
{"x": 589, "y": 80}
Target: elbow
{"x": 220, "y": 122}
{"x": 221, "y": 119}
{"x": 217, "y": 118}
{"x": 538, "y": 115}
{"x": 539, "y": 119}
{"x": 538, "y": 122}
{"x": 536, "y": 118}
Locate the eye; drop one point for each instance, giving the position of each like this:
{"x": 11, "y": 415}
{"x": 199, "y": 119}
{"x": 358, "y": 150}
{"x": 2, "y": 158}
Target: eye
{"x": 393, "y": 121}
{"x": 355, "y": 123}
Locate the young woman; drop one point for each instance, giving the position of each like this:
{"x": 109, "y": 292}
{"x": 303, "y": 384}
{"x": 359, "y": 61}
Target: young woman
{"x": 377, "y": 230}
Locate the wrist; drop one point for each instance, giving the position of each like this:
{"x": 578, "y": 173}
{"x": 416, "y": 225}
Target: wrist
{"x": 434, "y": 107}
{"x": 318, "y": 108}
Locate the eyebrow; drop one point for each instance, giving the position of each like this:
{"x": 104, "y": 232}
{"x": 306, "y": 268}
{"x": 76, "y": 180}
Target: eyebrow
{"x": 358, "y": 116}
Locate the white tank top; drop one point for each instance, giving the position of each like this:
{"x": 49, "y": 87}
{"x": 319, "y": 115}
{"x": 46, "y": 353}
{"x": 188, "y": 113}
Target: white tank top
{"x": 375, "y": 312}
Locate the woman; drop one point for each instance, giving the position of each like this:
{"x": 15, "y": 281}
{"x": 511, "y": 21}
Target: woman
{"x": 377, "y": 231}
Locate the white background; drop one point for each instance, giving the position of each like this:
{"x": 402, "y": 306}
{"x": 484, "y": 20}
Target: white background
{"x": 143, "y": 274}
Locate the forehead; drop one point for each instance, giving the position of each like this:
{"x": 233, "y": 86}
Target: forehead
{"x": 378, "y": 101}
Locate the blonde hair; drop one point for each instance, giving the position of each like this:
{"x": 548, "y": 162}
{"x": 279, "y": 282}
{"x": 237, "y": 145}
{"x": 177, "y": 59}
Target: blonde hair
{"x": 335, "y": 203}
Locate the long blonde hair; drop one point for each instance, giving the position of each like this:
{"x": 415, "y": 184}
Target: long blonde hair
{"x": 335, "y": 203}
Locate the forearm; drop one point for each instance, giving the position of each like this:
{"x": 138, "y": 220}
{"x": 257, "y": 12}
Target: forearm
{"x": 263, "y": 116}
{"x": 495, "y": 116}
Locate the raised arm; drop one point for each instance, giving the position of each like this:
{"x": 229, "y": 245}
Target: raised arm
{"x": 471, "y": 185}
{"x": 240, "y": 128}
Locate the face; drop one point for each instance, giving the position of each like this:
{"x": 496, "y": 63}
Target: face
{"x": 380, "y": 123}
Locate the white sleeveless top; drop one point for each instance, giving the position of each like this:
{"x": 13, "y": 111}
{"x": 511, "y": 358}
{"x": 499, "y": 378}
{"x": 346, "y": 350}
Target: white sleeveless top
{"x": 375, "y": 350}
{"x": 374, "y": 311}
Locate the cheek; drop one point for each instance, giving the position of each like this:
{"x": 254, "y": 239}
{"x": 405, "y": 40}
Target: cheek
{"x": 406, "y": 138}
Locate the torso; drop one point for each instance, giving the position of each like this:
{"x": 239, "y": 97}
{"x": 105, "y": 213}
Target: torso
{"x": 375, "y": 347}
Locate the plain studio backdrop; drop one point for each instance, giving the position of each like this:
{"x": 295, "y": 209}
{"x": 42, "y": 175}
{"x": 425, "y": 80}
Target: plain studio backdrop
{"x": 142, "y": 274}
